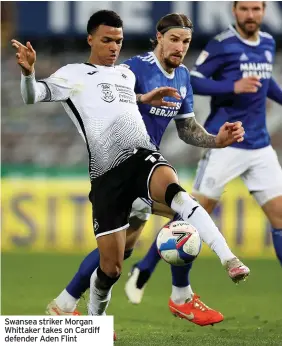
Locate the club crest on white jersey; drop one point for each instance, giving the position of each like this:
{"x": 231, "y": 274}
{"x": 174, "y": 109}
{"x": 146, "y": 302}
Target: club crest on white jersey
{"x": 107, "y": 92}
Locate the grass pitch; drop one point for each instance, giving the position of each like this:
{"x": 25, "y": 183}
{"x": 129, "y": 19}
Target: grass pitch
{"x": 252, "y": 310}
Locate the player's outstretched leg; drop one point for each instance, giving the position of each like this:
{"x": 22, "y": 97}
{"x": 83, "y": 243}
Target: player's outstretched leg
{"x": 164, "y": 188}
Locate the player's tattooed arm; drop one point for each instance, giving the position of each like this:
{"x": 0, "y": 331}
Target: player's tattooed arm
{"x": 191, "y": 132}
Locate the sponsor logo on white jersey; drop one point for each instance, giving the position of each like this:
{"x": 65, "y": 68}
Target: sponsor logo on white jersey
{"x": 107, "y": 92}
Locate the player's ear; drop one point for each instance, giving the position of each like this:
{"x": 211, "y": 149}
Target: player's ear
{"x": 159, "y": 37}
{"x": 233, "y": 10}
{"x": 90, "y": 40}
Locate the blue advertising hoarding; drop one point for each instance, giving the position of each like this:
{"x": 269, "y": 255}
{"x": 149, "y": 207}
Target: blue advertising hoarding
{"x": 69, "y": 18}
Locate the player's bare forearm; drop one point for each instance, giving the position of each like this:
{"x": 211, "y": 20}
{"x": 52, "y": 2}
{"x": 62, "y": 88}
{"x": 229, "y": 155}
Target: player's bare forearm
{"x": 191, "y": 132}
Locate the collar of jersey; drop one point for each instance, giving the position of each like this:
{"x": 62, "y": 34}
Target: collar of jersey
{"x": 97, "y": 66}
{"x": 168, "y": 75}
{"x": 249, "y": 43}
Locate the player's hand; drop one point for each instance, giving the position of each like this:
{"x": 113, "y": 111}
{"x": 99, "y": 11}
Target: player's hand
{"x": 247, "y": 85}
{"x": 156, "y": 97}
{"x": 26, "y": 56}
{"x": 230, "y": 133}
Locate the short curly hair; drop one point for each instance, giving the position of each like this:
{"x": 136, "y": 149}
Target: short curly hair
{"x": 103, "y": 17}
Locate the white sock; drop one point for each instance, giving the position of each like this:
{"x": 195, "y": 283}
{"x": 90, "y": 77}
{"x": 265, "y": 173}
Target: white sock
{"x": 66, "y": 302}
{"x": 180, "y": 294}
{"x": 192, "y": 212}
{"x": 99, "y": 298}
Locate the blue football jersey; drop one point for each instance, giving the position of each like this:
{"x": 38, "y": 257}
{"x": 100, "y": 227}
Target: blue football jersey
{"x": 228, "y": 57}
{"x": 150, "y": 75}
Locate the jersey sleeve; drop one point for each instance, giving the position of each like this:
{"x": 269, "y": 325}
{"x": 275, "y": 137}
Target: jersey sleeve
{"x": 59, "y": 85}
{"x": 209, "y": 60}
{"x": 274, "y": 91}
{"x": 208, "y": 63}
{"x": 187, "y": 108}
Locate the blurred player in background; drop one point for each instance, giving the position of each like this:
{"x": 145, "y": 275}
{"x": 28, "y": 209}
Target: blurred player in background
{"x": 240, "y": 62}
{"x": 236, "y": 70}
{"x": 163, "y": 67}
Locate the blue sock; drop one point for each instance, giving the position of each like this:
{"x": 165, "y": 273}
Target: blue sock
{"x": 81, "y": 281}
{"x": 277, "y": 242}
{"x": 180, "y": 275}
{"x": 150, "y": 261}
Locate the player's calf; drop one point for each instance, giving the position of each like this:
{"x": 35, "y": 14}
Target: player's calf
{"x": 164, "y": 187}
{"x": 273, "y": 211}
{"x": 111, "y": 247}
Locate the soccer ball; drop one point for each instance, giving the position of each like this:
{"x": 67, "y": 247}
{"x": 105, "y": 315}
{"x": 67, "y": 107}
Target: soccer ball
{"x": 179, "y": 243}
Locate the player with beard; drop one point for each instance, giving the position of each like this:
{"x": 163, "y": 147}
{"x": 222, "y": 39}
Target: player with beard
{"x": 240, "y": 63}
{"x": 235, "y": 69}
{"x": 163, "y": 66}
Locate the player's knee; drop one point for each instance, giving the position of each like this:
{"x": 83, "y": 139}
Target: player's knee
{"x": 133, "y": 232}
{"x": 171, "y": 191}
{"x": 277, "y": 213}
{"x": 273, "y": 210}
{"x": 137, "y": 222}
{"x": 276, "y": 219}
{"x": 112, "y": 268}
{"x": 103, "y": 280}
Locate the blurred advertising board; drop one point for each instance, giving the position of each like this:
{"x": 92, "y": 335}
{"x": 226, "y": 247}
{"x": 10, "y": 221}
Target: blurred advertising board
{"x": 54, "y": 215}
{"x": 69, "y": 18}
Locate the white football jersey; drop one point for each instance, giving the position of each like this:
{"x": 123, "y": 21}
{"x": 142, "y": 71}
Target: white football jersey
{"x": 101, "y": 102}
